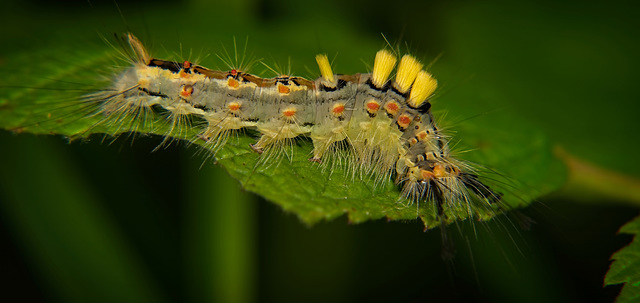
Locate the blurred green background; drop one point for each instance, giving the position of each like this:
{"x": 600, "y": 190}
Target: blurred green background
{"x": 92, "y": 221}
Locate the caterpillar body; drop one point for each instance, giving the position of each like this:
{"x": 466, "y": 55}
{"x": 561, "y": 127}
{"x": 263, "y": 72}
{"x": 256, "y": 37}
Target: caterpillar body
{"x": 382, "y": 127}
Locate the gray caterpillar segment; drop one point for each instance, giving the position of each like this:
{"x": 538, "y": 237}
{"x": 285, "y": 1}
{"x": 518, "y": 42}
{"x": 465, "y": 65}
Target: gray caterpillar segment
{"x": 285, "y": 113}
{"x": 297, "y": 98}
{"x": 333, "y": 111}
{"x": 201, "y": 94}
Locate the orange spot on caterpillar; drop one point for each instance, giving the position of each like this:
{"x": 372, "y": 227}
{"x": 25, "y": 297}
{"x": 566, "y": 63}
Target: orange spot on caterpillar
{"x": 422, "y": 135}
{"x": 186, "y": 91}
{"x": 289, "y": 112}
{"x": 439, "y": 171}
{"x": 373, "y": 106}
{"x": 234, "y": 72}
{"x": 426, "y": 175}
{"x": 392, "y": 107}
{"x": 233, "y": 83}
{"x": 233, "y": 106}
{"x": 283, "y": 89}
{"x": 186, "y": 64}
{"x": 338, "y": 109}
{"x": 403, "y": 121}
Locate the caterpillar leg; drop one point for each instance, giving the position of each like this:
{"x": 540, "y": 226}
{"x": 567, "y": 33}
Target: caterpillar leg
{"x": 453, "y": 192}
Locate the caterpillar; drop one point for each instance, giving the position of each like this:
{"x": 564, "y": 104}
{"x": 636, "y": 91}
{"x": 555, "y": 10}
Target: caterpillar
{"x": 380, "y": 125}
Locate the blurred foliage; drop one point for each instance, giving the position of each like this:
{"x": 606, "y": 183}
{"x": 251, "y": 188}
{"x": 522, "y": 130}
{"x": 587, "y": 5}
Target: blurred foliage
{"x": 95, "y": 222}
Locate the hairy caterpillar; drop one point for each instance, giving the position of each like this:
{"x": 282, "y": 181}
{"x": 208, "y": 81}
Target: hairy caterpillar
{"x": 380, "y": 127}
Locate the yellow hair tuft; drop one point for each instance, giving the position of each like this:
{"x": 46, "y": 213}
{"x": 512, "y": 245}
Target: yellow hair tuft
{"x": 382, "y": 67}
{"x": 423, "y": 88}
{"x": 325, "y": 68}
{"x": 407, "y": 71}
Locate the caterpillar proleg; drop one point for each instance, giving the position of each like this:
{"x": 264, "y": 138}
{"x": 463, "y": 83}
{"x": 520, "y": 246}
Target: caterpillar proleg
{"x": 378, "y": 124}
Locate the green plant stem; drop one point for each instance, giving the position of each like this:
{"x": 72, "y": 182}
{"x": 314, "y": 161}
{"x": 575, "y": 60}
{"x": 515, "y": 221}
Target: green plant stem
{"x": 590, "y": 183}
{"x": 220, "y": 236}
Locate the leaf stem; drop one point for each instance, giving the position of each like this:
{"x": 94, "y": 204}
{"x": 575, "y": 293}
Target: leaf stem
{"x": 591, "y": 183}
{"x": 220, "y": 240}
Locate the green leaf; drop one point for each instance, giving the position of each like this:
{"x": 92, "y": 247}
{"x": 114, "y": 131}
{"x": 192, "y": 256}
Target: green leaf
{"x": 626, "y": 265}
{"x": 517, "y": 157}
{"x": 293, "y": 183}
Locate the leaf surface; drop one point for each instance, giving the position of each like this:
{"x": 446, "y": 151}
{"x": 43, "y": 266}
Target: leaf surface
{"x": 46, "y": 99}
{"x": 626, "y": 265}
